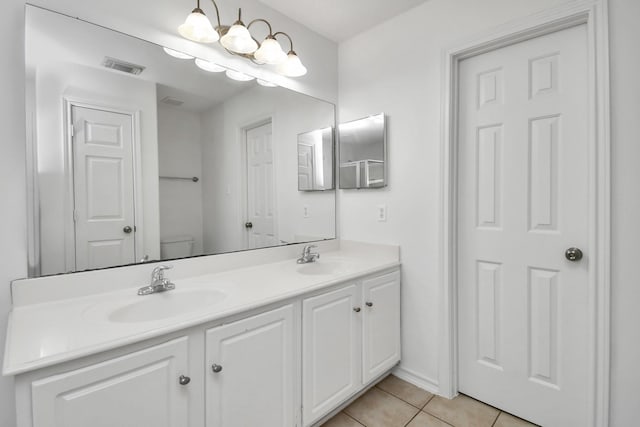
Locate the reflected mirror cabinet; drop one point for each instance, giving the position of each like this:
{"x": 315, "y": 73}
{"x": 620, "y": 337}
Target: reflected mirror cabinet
{"x": 137, "y": 155}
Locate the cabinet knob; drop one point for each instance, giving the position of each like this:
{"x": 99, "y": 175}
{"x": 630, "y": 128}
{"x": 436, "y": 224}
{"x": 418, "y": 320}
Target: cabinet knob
{"x": 369, "y": 304}
{"x": 184, "y": 380}
{"x": 356, "y": 309}
{"x": 216, "y": 368}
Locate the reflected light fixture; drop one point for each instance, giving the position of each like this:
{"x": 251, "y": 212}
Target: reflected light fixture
{"x": 237, "y": 40}
{"x": 266, "y": 83}
{"x": 176, "y": 54}
{"x": 237, "y": 75}
{"x": 209, "y": 66}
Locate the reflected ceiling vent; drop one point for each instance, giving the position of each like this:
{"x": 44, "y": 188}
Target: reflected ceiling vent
{"x": 120, "y": 65}
{"x": 171, "y": 101}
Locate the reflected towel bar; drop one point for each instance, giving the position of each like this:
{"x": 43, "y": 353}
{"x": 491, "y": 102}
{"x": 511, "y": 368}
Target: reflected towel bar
{"x": 194, "y": 179}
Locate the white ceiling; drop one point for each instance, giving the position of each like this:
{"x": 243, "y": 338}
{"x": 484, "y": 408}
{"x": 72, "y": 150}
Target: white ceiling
{"x": 339, "y": 20}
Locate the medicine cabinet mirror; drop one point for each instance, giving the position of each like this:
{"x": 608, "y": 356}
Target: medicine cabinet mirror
{"x": 363, "y": 150}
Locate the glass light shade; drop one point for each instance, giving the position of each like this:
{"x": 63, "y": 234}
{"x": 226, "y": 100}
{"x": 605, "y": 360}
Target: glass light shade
{"x": 270, "y": 52}
{"x": 266, "y": 83}
{"x": 198, "y": 28}
{"x": 209, "y": 66}
{"x": 292, "y": 67}
{"x": 237, "y": 75}
{"x": 176, "y": 54}
{"x": 238, "y": 40}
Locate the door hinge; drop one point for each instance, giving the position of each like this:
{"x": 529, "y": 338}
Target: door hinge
{"x": 72, "y": 129}
{"x": 75, "y": 215}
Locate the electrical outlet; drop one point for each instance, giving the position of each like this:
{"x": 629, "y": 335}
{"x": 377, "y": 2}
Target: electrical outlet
{"x": 382, "y": 213}
{"x": 305, "y": 211}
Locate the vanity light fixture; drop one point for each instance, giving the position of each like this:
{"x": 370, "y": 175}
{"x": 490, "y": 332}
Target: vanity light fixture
{"x": 237, "y": 40}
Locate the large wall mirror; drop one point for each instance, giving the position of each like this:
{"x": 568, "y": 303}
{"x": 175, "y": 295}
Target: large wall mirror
{"x": 135, "y": 155}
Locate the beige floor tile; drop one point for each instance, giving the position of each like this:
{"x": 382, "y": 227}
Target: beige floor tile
{"x": 377, "y": 408}
{"x": 462, "y": 411}
{"x": 405, "y": 391}
{"x": 342, "y": 420}
{"x": 425, "y": 420}
{"x": 508, "y": 420}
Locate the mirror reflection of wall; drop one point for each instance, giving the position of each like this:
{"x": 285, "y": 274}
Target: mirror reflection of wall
{"x": 163, "y": 161}
{"x": 363, "y": 153}
{"x": 316, "y": 160}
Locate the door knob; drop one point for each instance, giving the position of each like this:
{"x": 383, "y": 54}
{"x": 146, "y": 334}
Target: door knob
{"x": 184, "y": 380}
{"x": 248, "y": 225}
{"x": 216, "y": 368}
{"x": 573, "y": 254}
{"x": 127, "y": 229}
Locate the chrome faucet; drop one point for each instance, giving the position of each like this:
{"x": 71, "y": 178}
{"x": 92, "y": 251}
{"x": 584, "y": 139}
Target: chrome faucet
{"x": 159, "y": 283}
{"x": 307, "y": 255}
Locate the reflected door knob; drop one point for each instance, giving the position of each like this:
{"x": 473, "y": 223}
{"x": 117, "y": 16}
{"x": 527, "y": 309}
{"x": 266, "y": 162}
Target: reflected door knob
{"x": 573, "y": 254}
{"x": 127, "y": 229}
{"x": 248, "y": 225}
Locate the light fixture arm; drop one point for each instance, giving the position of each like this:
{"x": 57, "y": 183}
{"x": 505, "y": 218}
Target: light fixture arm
{"x": 287, "y": 36}
{"x": 215, "y": 5}
{"x": 262, "y": 20}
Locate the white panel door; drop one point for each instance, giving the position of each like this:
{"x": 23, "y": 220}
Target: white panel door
{"x": 261, "y": 196}
{"x": 254, "y": 382}
{"x": 522, "y": 201}
{"x": 103, "y": 188}
{"x": 331, "y": 350}
{"x": 141, "y": 389}
{"x": 381, "y": 328}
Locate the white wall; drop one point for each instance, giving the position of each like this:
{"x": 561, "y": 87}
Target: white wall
{"x": 180, "y": 155}
{"x": 406, "y": 85}
{"x": 13, "y": 250}
{"x": 625, "y": 250}
{"x": 223, "y": 182}
{"x": 54, "y": 81}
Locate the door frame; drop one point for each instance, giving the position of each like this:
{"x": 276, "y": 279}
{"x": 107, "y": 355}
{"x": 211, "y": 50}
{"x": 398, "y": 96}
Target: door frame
{"x": 241, "y": 137}
{"x": 69, "y": 203}
{"x": 594, "y": 14}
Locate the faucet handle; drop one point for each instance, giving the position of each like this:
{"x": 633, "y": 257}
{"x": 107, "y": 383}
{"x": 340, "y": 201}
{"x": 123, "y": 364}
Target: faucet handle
{"x": 307, "y": 249}
{"x": 158, "y": 272}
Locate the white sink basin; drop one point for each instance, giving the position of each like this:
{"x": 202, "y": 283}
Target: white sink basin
{"x": 161, "y": 305}
{"x": 321, "y": 267}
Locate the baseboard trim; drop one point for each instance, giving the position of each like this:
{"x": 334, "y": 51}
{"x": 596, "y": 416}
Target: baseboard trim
{"x": 416, "y": 379}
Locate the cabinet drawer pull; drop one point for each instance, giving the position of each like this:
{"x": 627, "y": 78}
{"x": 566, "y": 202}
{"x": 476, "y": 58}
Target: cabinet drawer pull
{"x": 184, "y": 380}
{"x": 356, "y": 309}
{"x": 216, "y": 368}
{"x": 369, "y": 304}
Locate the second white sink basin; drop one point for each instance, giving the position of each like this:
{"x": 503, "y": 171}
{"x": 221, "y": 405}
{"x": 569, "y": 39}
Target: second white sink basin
{"x": 163, "y": 305}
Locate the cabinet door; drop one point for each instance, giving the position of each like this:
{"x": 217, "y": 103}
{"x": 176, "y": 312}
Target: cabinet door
{"x": 140, "y": 389}
{"x": 331, "y": 331}
{"x": 381, "y": 341}
{"x": 254, "y": 382}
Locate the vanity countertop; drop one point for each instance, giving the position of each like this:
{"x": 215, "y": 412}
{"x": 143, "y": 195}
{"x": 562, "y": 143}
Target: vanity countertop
{"x": 43, "y": 334}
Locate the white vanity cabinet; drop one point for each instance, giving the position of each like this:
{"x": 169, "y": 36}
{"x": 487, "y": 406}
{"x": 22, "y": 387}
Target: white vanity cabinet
{"x": 350, "y": 337}
{"x": 139, "y": 389}
{"x": 250, "y": 379}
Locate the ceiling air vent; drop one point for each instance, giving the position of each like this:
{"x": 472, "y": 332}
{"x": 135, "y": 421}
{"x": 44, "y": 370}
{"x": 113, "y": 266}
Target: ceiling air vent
{"x": 171, "y": 101}
{"x": 119, "y": 65}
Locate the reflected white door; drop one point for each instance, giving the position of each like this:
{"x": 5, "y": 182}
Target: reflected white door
{"x": 261, "y": 216}
{"x": 305, "y": 167}
{"x": 103, "y": 188}
{"x": 523, "y": 326}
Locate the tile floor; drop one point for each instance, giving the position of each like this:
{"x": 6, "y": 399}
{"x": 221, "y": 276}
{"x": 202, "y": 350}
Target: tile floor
{"x": 396, "y": 403}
